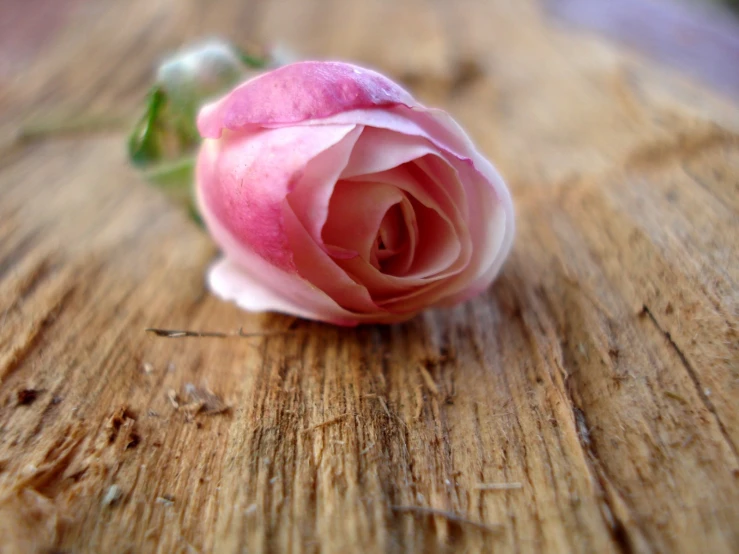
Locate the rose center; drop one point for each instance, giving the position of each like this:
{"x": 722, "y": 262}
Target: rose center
{"x": 392, "y": 234}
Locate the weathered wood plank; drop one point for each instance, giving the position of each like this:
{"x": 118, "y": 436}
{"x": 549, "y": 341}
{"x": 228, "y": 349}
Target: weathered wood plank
{"x": 597, "y": 378}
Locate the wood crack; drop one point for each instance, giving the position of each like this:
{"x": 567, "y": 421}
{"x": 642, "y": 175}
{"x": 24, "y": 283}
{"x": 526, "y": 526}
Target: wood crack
{"x": 21, "y": 352}
{"x": 627, "y": 536}
{"x": 618, "y": 528}
{"x": 694, "y": 377}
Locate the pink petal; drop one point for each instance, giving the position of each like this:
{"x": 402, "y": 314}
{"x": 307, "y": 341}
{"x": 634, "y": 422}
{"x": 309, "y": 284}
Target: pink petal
{"x": 399, "y": 234}
{"x": 438, "y": 245}
{"x": 312, "y": 192}
{"x": 380, "y": 149}
{"x": 244, "y": 179}
{"x": 434, "y": 262}
{"x": 316, "y": 267}
{"x": 498, "y": 223}
{"x": 299, "y": 92}
{"x": 233, "y": 283}
{"x": 492, "y": 222}
{"x": 447, "y": 235}
{"x": 356, "y": 211}
{"x": 253, "y": 283}
{"x": 248, "y": 280}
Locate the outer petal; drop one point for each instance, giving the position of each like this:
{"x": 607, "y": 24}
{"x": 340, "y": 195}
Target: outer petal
{"x": 244, "y": 180}
{"x": 299, "y": 92}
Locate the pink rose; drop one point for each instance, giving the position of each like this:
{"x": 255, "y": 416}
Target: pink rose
{"x": 336, "y": 196}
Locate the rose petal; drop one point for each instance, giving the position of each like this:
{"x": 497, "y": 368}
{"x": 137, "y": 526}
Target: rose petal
{"x": 231, "y": 282}
{"x": 245, "y": 178}
{"x": 402, "y": 254}
{"x": 438, "y": 247}
{"x": 488, "y": 230}
{"x": 254, "y": 284}
{"x": 299, "y": 92}
{"x": 317, "y": 267}
{"x": 484, "y": 185}
{"x": 446, "y": 237}
{"x": 392, "y": 237}
{"x": 385, "y": 286}
{"x": 500, "y": 224}
{"x": 380, "y": 149}
{"x": 356, "y": 211}
{"x": 312, "y": 192}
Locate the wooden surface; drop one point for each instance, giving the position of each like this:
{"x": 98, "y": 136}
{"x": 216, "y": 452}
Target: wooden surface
{"x": 597, "y": 382}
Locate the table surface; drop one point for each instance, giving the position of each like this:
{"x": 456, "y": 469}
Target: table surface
{"x": 588, "y": 402}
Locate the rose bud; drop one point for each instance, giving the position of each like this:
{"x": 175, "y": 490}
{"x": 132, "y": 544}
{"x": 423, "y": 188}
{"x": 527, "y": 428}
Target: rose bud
{"x": 336, "y": 196}
{"x": 165, "y": 137}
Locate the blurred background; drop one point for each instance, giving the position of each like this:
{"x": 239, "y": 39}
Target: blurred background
{"x": 47, "y": 47}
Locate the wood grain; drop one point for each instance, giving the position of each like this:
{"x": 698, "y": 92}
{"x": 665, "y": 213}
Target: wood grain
{"x": 586, "y": 403}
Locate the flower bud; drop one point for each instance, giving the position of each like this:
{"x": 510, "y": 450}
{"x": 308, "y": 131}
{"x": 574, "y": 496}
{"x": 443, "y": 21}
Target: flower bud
{"x": 335, "y": 195}
{"x": 166, "y": 137}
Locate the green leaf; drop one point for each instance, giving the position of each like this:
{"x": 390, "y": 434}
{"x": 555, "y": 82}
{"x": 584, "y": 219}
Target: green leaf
{"x": 143, "y": 144}
{"x": 254, "y": 62}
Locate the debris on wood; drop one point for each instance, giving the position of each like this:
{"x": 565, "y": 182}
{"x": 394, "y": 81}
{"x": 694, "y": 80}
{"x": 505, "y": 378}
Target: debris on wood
{"x": 327, "y": 422}
{"x": 166, "y": 499}
{"x": 675, "y": 396}
{"x": 112, "y": 496}
{"x": 498, "y": 486}
{"x": 26, "y": 397}
{"x": 197, "y": 401}
{"x": 203, "y": 401}
{"x": 176, "y": 333}
{"x": 582, "y": 427}
{"x": 133, "y": 439}
{"x": 147, "y": 368}
{"x": 182, "y": 333}
{"x": 449, "y": 516}
{"x": 123, "y": 418}
{"x": 173, "y": 398}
